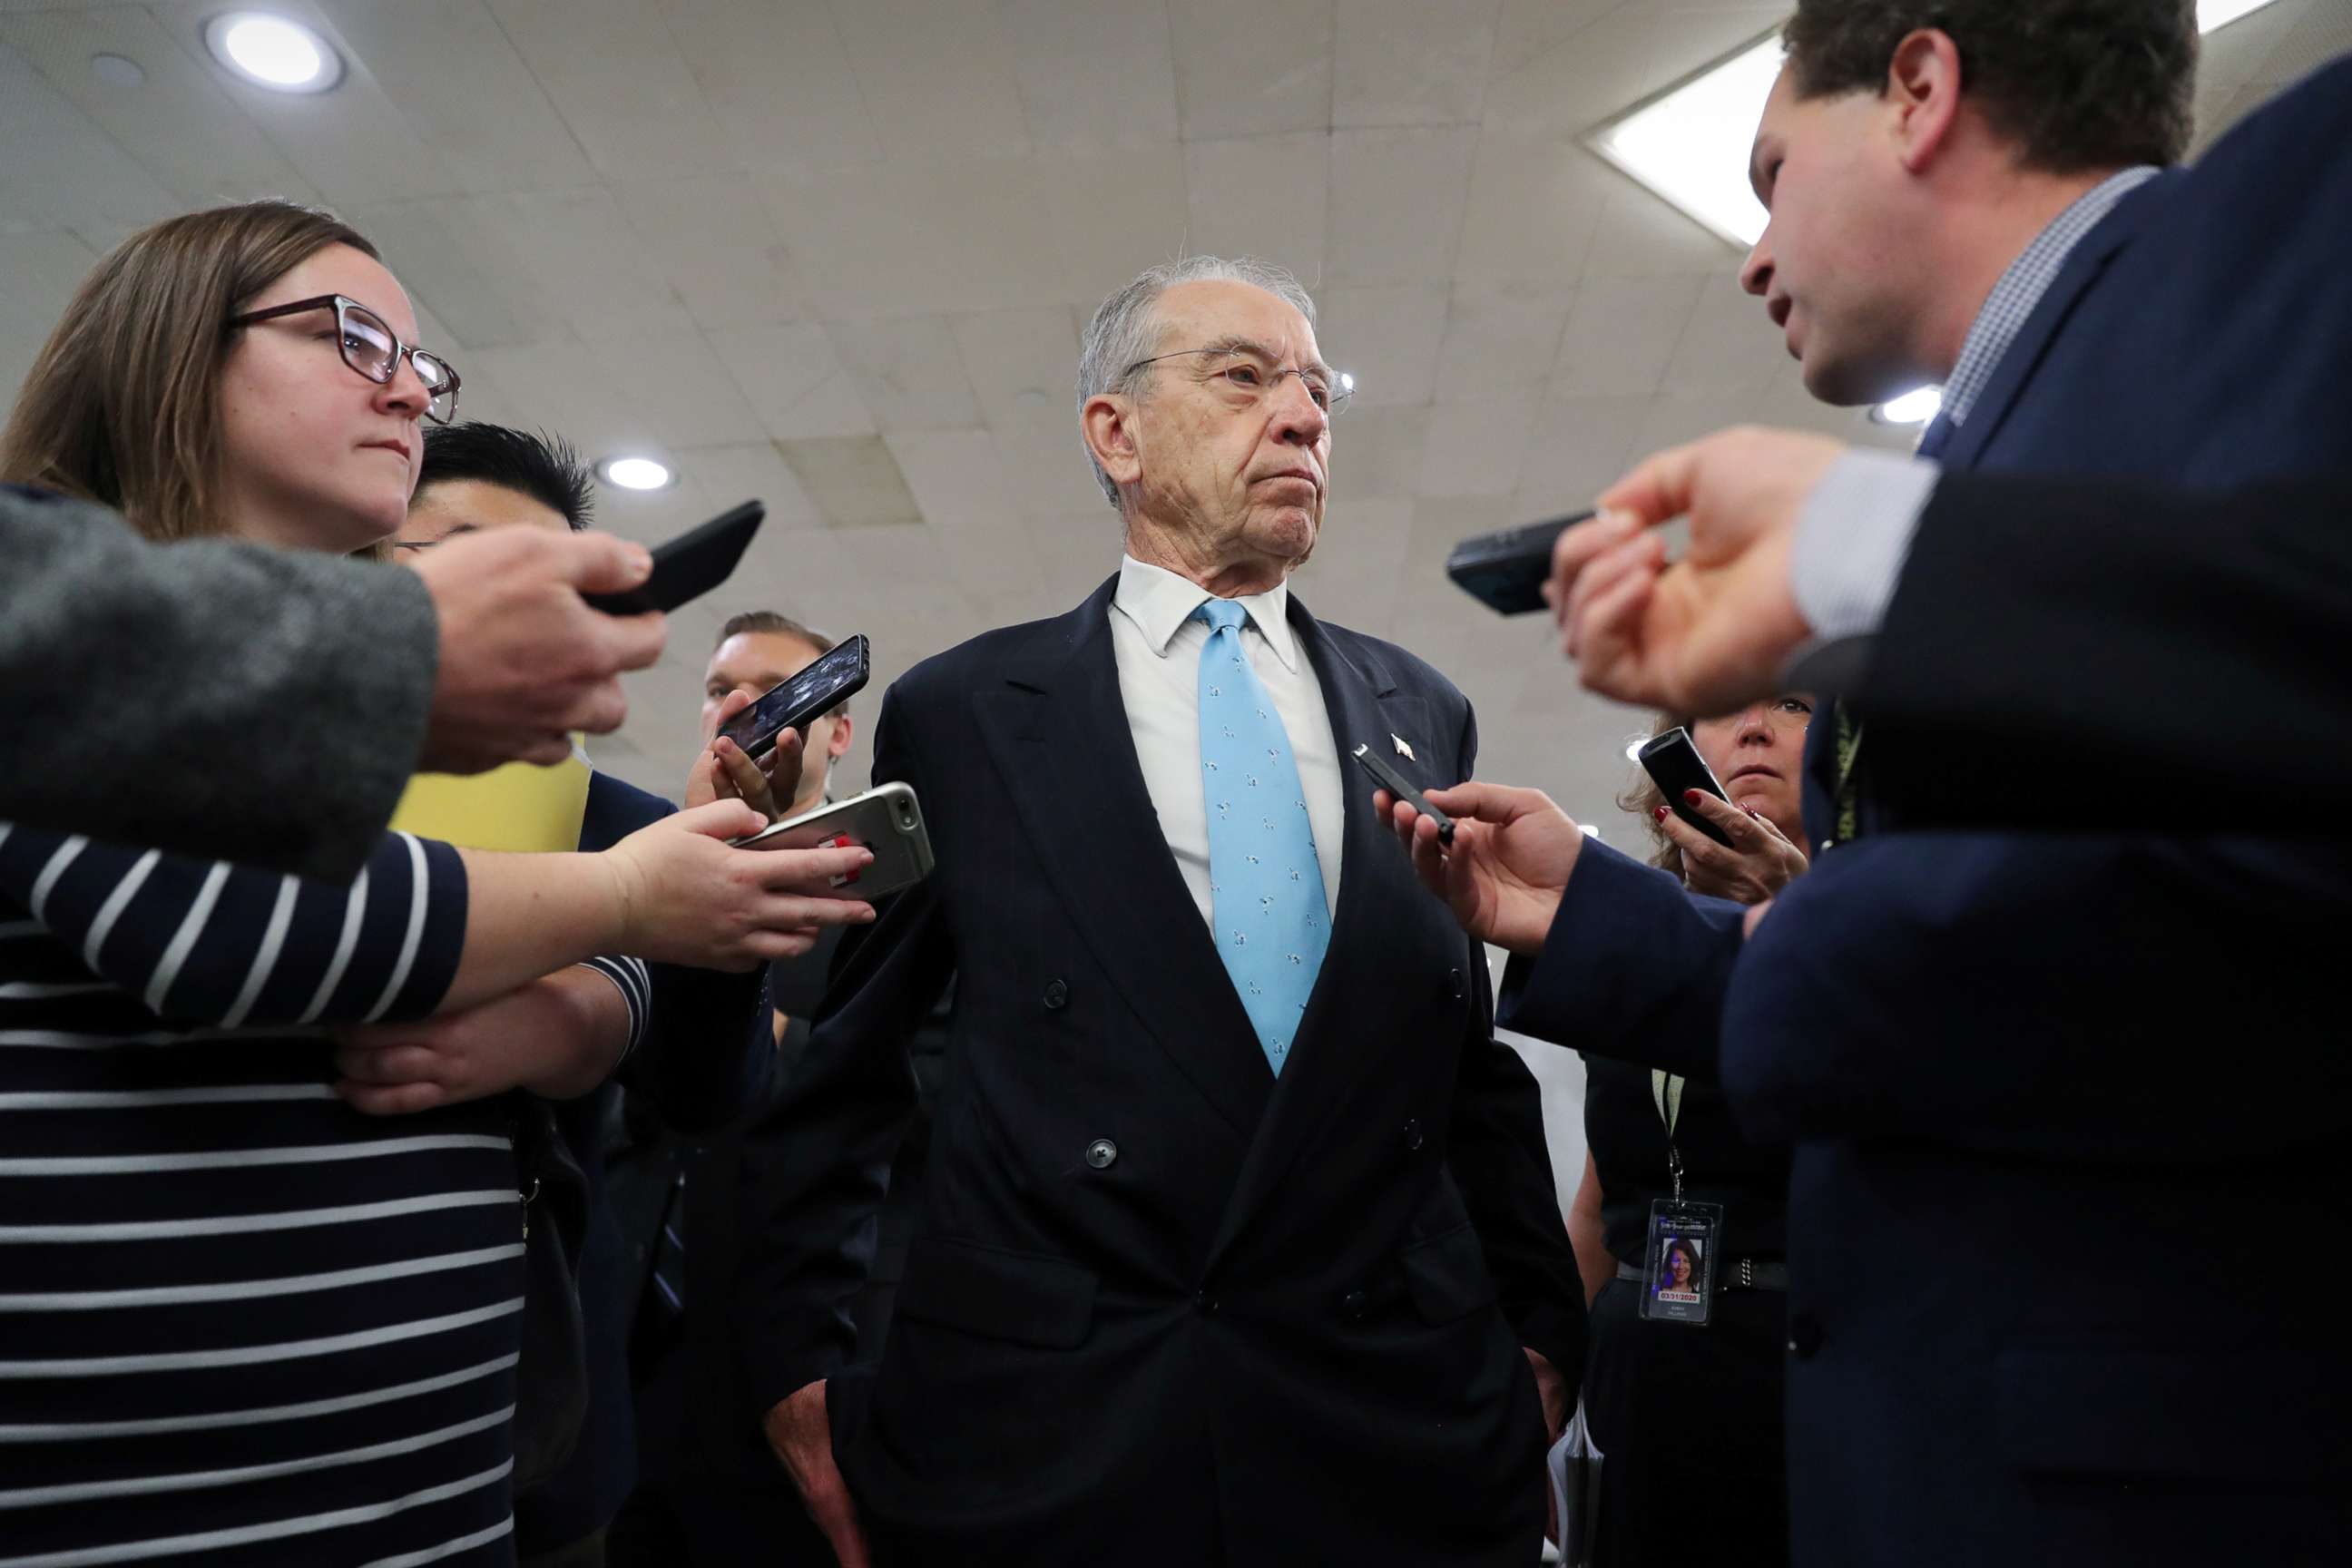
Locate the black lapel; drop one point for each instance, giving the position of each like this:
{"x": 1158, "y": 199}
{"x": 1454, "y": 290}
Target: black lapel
{"x": 1337, "y": 1042}
{"x": 2024, "y": 355}
{"x": 1059, "y": 733}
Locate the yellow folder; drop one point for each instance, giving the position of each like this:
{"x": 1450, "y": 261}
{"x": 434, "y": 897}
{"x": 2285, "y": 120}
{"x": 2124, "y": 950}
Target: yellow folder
{"x": 516, "y": 807}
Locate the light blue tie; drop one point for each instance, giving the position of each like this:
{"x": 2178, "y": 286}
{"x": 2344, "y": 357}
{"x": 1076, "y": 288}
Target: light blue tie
{"x": 1265, "y": 885}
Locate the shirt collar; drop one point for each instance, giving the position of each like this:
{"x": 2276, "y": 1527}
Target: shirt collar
{"x": 2020, "y": 288}
{"x": 1160, "y": 602}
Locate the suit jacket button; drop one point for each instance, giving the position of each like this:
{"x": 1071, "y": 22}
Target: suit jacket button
{"x": 1413, "y": 1138}
{"x": 1101, "y": 1153}
{"x": 1804, "y": 1336}
{"x": 1828, "y": 845}
{"x": 1454, "y": 986}
{"x": 1353, "y": 1303}
{"x": 1057, "y": 994}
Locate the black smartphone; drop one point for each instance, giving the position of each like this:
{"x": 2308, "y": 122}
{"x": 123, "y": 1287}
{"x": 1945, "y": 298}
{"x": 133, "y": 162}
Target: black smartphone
{"x": 1506, "y": 570}
{"x": 1674, "y": 764}
{"x": 689, "y": 566}
{"x": 792, "y": 702}
{"x": 1389, "y": 779}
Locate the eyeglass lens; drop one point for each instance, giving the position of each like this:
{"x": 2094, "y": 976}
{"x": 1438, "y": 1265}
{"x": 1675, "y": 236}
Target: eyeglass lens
{"x": 370, "y": 347}
{"x": 1246, "y": 375}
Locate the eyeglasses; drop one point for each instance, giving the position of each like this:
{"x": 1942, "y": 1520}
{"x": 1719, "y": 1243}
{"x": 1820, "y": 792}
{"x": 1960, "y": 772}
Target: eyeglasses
{"x": 1246, "y": 377}
{"x": 371, "y": 348}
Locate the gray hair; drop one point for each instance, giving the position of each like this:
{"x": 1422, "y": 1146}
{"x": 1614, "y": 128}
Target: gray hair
{"x": 1125, "y": 329}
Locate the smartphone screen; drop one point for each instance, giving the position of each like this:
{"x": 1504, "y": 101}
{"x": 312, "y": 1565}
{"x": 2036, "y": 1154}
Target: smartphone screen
{"x": 792, "y": 702}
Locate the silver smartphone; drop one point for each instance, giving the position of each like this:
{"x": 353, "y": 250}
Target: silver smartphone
{"x": 889, "y": 821}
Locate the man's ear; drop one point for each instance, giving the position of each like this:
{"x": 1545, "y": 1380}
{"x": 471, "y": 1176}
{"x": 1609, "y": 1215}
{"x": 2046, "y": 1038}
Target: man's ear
{"x": 838, "y": 745}
{"x": 1923, "y": 88}
{"x": 1107, "y": 423}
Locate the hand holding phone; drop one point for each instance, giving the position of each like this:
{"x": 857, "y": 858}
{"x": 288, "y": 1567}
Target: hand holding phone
{"x": 887, "y": 821}
{"x": 1506, "y": 570}
{"x": 689, "y": 566}
{"x": 794, "y": 701}
{"x": 1674, "y": 764}
{"x": 1395, "y": 783}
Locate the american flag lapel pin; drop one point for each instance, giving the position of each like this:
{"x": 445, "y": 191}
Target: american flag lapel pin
{"x": 1402, "y": 749}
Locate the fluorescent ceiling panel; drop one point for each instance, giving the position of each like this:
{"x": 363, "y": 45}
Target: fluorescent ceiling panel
{"x": 1689, "y": 144}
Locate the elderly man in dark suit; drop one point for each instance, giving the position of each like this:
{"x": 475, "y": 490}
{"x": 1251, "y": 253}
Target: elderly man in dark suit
{"x": 1240, "y": 1243}
{"x": 2035, "y": 1307}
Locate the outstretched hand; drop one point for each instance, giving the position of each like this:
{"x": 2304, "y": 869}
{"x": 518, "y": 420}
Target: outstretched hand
{"x": 1717, "y": 629}
{"x": 1512, "y": 854}
{"x": 1758, "y": 862}
{"x": 724, "y": 772}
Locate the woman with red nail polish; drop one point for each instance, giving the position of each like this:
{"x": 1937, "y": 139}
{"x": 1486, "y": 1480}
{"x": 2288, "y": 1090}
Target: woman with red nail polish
{"x": 1678, "y": 1412}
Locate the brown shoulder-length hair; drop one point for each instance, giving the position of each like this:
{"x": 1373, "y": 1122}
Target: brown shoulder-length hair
{"x": 1643, "y": 797}
{"x": 122, "y": 407}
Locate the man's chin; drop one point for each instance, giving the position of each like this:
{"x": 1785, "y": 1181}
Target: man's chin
{"x": 1290, "y": 535}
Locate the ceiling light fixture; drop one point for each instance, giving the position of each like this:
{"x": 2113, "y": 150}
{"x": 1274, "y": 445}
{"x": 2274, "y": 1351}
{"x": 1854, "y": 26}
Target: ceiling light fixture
{"x": 273, "y": 52}
{"x": 1912, "y": 408}
{"x": 2216, "y": 13}
{"x": 1689, "y": 144}
{"x": 636, "y": 473}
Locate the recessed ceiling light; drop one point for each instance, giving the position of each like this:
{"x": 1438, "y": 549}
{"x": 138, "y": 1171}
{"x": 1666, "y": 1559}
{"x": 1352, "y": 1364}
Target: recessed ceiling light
{"x": 1690, "y": 143}
{"x": 1911, "y": 408}
{"x": 1589, "y": 831}
{"x": 636, "y": 473}
{"x": 273, "y": 52}
{"x": 1633, "y": 748}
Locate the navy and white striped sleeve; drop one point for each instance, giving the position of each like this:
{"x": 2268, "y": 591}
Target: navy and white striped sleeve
{"x": 636, "y": 985}
{"x": 229, "y": 945}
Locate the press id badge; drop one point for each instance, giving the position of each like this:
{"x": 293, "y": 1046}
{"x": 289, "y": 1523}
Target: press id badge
{"x": 1678, "y": 1276}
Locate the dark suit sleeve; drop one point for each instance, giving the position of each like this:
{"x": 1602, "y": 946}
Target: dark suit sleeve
{"x": 2189, "y": 645}
{"x": 1497, "y": 1152}
{"x": 704, "y": 1056}
{"x": 284, "y": 696}
{"x": 816, "y": 1165}
{"x": 1633, "y": 968}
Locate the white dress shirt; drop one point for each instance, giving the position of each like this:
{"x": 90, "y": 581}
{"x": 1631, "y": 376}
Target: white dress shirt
{"x": 1158, "y": 646}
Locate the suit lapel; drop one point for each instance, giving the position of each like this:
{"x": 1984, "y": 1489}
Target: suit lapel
{"x": 2024, "y": 356}
{"x": 1334, "y": 1046}
{"x": 1058, "y": 731}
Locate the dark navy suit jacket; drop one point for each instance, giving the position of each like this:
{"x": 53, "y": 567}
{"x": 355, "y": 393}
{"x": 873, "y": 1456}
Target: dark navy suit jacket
{"x": 2068, "y": 1108}
{"x": 704, "y": 1060}
{"x": 1163, "y": 1308}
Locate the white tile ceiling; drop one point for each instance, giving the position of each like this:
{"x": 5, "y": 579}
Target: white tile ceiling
{"x": 837, "y": 255}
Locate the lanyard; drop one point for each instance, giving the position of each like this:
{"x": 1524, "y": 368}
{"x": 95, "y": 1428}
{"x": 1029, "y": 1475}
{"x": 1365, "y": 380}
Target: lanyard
{"x": 1666, "y": 1089}
{"x": 1849, "y": 787}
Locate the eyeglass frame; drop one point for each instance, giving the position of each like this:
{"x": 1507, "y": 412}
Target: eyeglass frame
{"x": 1341, "y": 391}
{"x": 400, "y": 351}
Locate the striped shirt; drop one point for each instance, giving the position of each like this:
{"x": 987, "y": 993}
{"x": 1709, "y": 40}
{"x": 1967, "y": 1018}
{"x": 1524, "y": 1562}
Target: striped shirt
{"x": 239, "y": 1321}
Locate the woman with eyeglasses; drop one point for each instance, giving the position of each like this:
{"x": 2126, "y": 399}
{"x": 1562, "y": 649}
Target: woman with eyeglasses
{"x": 237, "y": 1318}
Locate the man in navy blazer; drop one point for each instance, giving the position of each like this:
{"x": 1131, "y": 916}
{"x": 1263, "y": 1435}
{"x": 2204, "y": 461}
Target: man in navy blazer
{"x": 2065, "y": 1106}
{"x": 694, "y": 1042}
{"x": 1171, "y": 1303}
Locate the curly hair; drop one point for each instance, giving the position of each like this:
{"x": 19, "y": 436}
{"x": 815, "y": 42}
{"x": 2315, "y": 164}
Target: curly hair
{"x": 2079, "y": 85}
